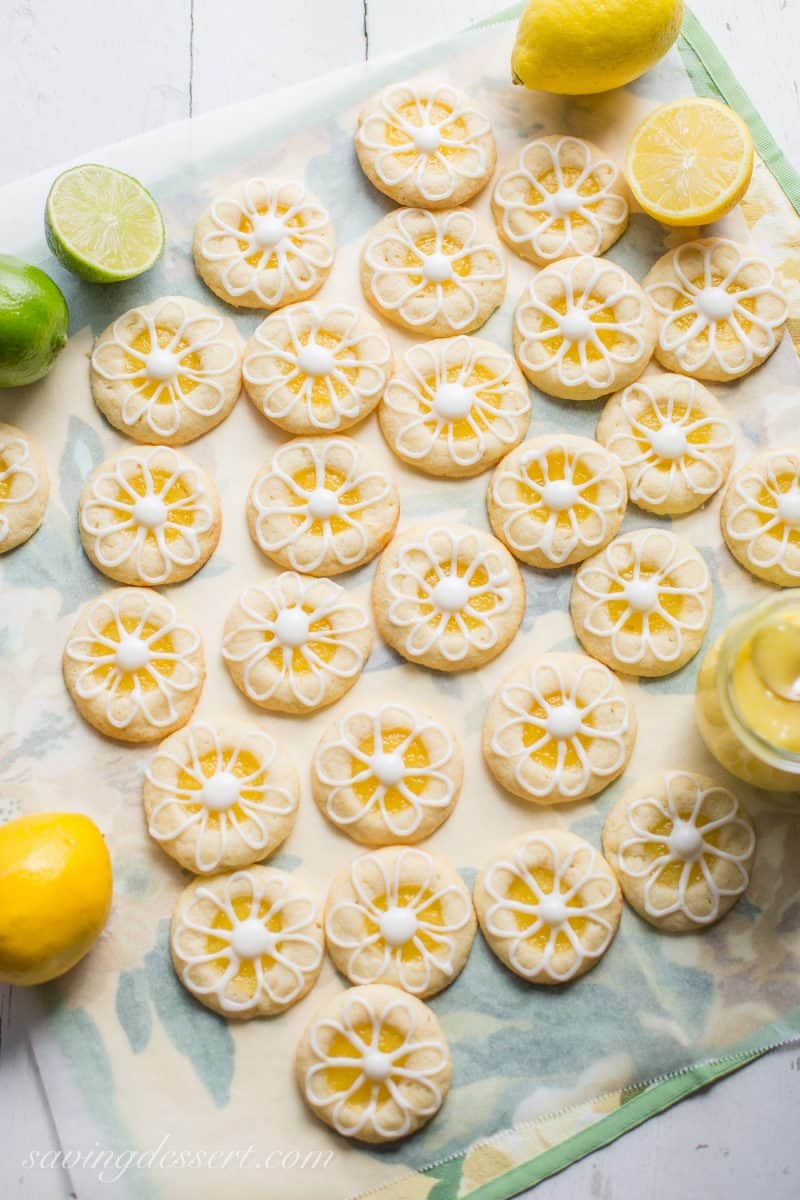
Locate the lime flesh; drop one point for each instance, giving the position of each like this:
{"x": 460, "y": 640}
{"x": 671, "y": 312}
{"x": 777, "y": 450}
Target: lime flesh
{"x": 34, "y": 320}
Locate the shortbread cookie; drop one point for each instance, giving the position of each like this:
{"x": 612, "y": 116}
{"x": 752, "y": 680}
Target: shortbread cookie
{"x": 433, "y": 273}
{"x": 149, "y": 516}
{"x": 549, "y": 906}
{"x": 248, "y": 944}
{"x": 374, "y": 1064}
{"x": 263, "y": 244}
{"x": 558, "y": 197}
{"x": 295, "y": 644}
{"x": 674, "y": 441}
{"x": 218, "y": 795}
{"x": 133, "y": 666}
{"x": 322, "y": 506}
{"x": 24, "y": 487}
{"x": 642, "y": 605}
{"x": 400, "y": 916}
{"x": 313, "y": 368}
{"x": 455, "y": 406}
{"x": 167, "y": 372}
{"x": 559, "y": 728}
{"x": 582, "y": 328}
{"x": 719, "y": 308}
{"x": 423, "y": 143}
{"x": 447, "y": 596}
{"x": 556, "y": 499}
{"x": 760, "y": 516}
{"x": 387, "y": 775}
{"x": 682, "y": 847}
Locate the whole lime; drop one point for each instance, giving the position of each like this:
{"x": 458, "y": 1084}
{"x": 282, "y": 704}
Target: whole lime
{"x": 34, "y": 320}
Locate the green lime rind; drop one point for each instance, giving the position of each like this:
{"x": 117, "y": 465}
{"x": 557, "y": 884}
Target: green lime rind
{"x": 34, "y": 322}
{"x": 103, "y": 225}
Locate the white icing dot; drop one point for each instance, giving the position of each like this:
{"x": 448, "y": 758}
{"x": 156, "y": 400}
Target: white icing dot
{"x": 437, "y": 268}
{"x": 452, "y": 401}
{"x": 685, "y": 841}
{"x": 388, "y": 769}
{"x": 322, "y": 504}
{"x": 559, "y": 494}
{"x": 789, "y": 507}
{"x": 564, "y": 720}
{"x": 397, "y": 925}
{"x": 563, "y": 202}
{"x": 450, "y": 594}
{"x": 132, "y": 653}
{"x": 291, "y": 627}
{"x": 641, "y": 594}
{"x": 715, "y": 304}
{"x": 668, "y": 441}
{"x": 161, "y": 365}
{"x": 575, "y": 325}
{"x": 150, "y": 512}
{"x": 315, "y": 360}
{"x": 267, "y": 232}
{"x": 552, "y": 910}
{"x": 376, "y": 1065}
{"x": 220, "y": 791}
{"x": 249, "y": 939}
{"x": 427, "y": 138}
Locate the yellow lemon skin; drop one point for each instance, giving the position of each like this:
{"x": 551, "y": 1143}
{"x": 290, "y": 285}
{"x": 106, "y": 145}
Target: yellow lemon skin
{"x": 579, "y": 47}
{"x": 55, "y": 894}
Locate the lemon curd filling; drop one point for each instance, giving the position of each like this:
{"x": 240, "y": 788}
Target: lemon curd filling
{"x": 479, "y": 601}
{"x": 423, "y": 905}
{"x": 438, "y": 114}
{"x": 550, "y": 183}
{"x": 426, "y": 244}
{"x": 765, "y": 677}
{"x": 547, "y": 754}
{"x": 521, "y": 893}
{"x": 307, "y": 481}
{"x": 725, "y": 333}
{"x": 682, "y": 414}
{"x": 242, "y": 765}
{"x": 341, "y": 1078}
{"x": 190, "y": 360}
{"x": 609, "y": 338}
{"x": 667, "y": 601}
{"x": 767, "y": 499}
{"x": 485, "y": 385}
{"x": 657, "y": 846}
{"x": 322, "y": 650}
{"x": 552, "y": 470}
{"x": 321, "y": 385}
{"x": 294, "y": 226}
{"x": 5, "y": 483}
{"x": 175, "y": 493}
{"x": 143, "y": 677}
{"x": 245, "y": 911}
{"x": 415, "y": 756}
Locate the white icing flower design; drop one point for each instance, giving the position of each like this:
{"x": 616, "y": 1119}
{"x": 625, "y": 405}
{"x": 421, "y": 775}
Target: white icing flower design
{"x": 584, "y": 319}
{"x": 560, "y": 199}
{"x": 556, "y": 498}
{"x": 171, "y": 362}
{"x": 670, "y": 438}
{"x": 724, "y": 312}
{"x": 297, "y": 632}
{"x": 462, "y": 394}
{"x": 269, "y": 240}
{"x": 350, "y": 1064}
{"x": 398, "y": 920}
{"x": 764, "y": 521}
{"x": 449, "y": 584}
{"x": 562, "y": 734}
{"x": 430, "y": 139}
{"x": 259, "y": 921}
{"x": 428, "y": 266}
{"x": 315, "y": 500}
{"x": 525, "y": 913}
{"x": 148, "y": 511}
{"x": 691, "y": 841}
{"x": 399, "y": 776}
{"x": 322, "y": 361}
{"x": 19, "y": 479}
{"x": 221, "y": 795}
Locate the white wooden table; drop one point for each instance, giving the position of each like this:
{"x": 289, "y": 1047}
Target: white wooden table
{"x": 78, "y": 75}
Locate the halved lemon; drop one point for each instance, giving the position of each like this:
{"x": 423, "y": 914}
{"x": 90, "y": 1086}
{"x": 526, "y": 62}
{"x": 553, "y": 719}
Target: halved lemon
{"x": 689, "y": 162}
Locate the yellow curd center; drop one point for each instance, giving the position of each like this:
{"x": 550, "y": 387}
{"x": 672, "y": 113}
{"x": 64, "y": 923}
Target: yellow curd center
{"x": 324, "y": 651}
{"x": 635, "y": 622}
{"x": 660, "y": 831}
{"x": 482, "y": 602}
{"x": 415, "y": 756}
{"x": 294, "y": 227}
{"x": 246, "y": 975}
{"x": 339, "y": 1079}
{"x": 306, "y": 480}
{"x": 427, "y": 909}
{"x": 321, "y": 385}
{"x": 486, "y": 388}
{"x": 176, "y": 492}
{"x": 765, "y": 673}
{"x": 553, "y": 470}
{"x": 5, "y": 484}
{"x": 243, "y": 765}
{"x": 550, "y": 182}
{"x": 725, "y": 334}
{"x": 440, "y": 115}
{"x": 547, "y": 753}
{"x": 608, "y": 338}
{"x": 190, "y": 360}
{"x": 159, "y": 645}
{"x": 684, "y": 415}
{"x": 520, "y": 892}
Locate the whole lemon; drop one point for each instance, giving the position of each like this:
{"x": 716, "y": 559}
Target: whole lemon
{"x": 575, "y": 47}
{"x": 55, "y": 894}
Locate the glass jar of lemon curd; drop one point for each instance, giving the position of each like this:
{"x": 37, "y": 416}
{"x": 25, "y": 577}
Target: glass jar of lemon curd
{"x": 748, "y": 695}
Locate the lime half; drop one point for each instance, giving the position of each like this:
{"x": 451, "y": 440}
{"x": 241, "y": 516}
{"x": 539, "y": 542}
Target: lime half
{"x": 102, "y": 225}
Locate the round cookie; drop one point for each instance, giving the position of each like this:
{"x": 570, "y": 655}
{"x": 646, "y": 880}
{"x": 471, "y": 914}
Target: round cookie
{"x": 322, "y": 506}
{"x": 217, "y": 795}
{"x": 642, "y": 605}
{"x": 387, "y": 775}
{"x": 558, "y": 729}
{"x": 558, "y": 197}
{"x": 433, "y": 273}
{"x": 423, "y": 143}
{"x": 556, "y": 499}
{"x": 719, "y": 309}
{"x": 674, "y": 441}
{"x": 582, "y": 328}
{"x": 296, "y": 644}
{"x": 24, "y": 487}
{"x": 132, "y": 666}
{"x": 760, "y": 516}
{"x": 149, "y": 516}
{"x": 374, "y": 1064}
{"x": 263, "y": 244}
{"x": 682, "y": 847}
{"x": 167, "y": 372}
{"x": 549, "y": 906}
{"x": 247, "y": 944}
{"x": 455, "y": 406}
{"x": 400, "y": 916}
{"x": 447, "y": 596}
{"x": 314, "y": 368}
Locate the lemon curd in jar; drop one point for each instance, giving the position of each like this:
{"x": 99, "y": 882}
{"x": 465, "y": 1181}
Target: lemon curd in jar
{"x": 748, "y": 695}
